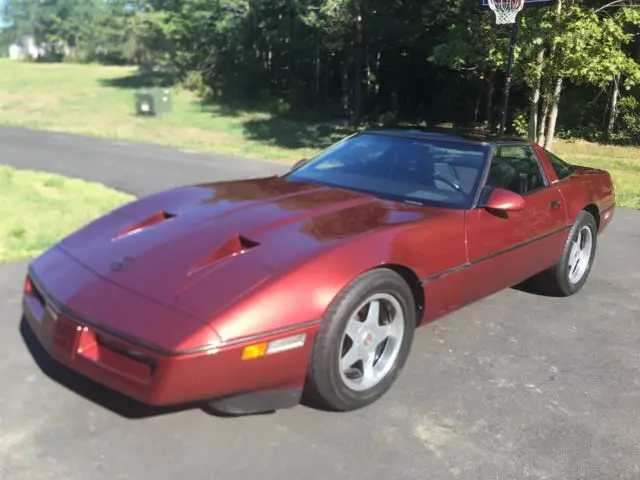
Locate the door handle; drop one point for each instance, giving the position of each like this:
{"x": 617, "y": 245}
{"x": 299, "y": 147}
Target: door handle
{"x": 555, "y": 204}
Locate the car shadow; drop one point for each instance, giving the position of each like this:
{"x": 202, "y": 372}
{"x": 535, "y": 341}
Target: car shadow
{"x": 536, "y": 285}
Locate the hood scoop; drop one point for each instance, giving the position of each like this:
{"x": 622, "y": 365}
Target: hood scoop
{"x": 148, "y": 222}
{"x": 236, "y": 245}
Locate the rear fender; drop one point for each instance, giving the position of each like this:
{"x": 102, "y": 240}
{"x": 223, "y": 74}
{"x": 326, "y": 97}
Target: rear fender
{"x": 592, "y": 191}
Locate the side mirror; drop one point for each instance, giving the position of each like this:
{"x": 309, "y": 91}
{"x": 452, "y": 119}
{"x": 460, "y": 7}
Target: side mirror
{"x": 504, "y": 200}
{"x": 299, "y": 163}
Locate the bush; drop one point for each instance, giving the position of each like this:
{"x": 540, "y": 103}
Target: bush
{"x": 629, "y": 120}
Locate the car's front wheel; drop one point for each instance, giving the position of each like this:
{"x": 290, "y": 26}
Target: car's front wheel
{"x": 363, "y": 342}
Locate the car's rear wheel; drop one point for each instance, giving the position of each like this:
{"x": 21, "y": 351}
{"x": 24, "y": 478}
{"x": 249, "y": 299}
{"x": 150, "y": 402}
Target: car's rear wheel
{"x": 570, "y": 274}
{"x": 363, "y": 342}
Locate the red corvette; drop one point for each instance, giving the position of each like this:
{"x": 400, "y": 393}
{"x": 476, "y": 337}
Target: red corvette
{"x": 244, "y": 294}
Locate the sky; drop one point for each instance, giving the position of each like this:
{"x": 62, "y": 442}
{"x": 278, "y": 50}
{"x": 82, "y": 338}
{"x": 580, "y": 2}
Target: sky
{"x": 2, "y": 22}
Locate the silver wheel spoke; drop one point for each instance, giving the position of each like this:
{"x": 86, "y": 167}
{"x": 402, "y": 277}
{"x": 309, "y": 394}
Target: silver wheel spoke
{"x": 356, "y": 353}
{"x": 373, "y": 316}
{"x": 353, "y": 328}
{"x": 575, "y": 253}
{"x": 380, "y": 332}
{"x": 575, "y": 259}
{"x": 368, "y": 372}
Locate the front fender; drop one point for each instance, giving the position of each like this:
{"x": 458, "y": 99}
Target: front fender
{"x": 303, "y": 292}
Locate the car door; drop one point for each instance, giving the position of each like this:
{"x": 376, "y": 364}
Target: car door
{"x": 505, "y": 248}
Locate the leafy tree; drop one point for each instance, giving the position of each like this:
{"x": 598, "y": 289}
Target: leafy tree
{"x": 390, "y": 61}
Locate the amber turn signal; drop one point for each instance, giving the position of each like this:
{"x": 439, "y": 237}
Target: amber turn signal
{"x": 275, "y": 346}
{"x": 254, "y": 351}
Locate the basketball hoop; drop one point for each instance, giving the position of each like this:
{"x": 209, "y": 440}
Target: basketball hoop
{"x": 506, "y": 10}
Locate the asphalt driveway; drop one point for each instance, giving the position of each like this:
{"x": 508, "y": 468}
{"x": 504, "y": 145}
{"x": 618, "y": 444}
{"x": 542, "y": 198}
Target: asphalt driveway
{"x": 517, "y": 386}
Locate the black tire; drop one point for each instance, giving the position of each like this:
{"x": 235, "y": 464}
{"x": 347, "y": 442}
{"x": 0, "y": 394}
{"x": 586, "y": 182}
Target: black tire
{"x": 556, "y": 279}
{"x": 324, "y": 381}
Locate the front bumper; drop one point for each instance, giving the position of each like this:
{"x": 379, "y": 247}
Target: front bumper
{"x": 159, "y": 377}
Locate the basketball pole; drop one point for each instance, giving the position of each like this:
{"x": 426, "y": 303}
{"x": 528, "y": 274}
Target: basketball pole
{"x": 507, "y": 83}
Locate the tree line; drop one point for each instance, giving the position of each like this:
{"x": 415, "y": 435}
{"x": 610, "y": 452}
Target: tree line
{"x": 576, "y": 73}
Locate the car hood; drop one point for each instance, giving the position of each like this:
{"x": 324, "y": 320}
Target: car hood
{"x": 244, "y": 232}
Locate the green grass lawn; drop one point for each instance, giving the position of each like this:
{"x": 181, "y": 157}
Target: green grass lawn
{"x": 38, "y": 209}
{"x": 622, "y": 162}
{"x": 98, "y": 100}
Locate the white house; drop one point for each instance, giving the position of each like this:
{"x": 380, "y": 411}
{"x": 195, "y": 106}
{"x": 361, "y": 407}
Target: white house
{"x": 24, "y": 47}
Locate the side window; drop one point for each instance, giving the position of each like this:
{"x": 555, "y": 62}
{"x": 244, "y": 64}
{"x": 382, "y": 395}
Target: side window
{"x": 562, "y": 168}
{"x": 515, "y": 168}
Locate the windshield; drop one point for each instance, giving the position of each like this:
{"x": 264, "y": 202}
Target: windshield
{"x": 423, "y": 171}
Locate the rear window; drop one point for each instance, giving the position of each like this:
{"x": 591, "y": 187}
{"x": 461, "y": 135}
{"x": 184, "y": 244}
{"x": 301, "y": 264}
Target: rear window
{"x": 562, "y": 168}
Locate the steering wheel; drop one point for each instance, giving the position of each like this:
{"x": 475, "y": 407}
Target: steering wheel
{"x": 437, "y": 176}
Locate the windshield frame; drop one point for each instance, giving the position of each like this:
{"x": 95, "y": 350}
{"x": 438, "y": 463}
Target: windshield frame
{"x": 473, "y": 196}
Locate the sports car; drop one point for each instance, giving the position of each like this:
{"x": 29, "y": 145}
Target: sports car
{"x": 245, "y": 295}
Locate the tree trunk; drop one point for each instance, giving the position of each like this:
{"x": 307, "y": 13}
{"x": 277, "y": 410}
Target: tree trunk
{"x": 613, "y": 106}
{"x": 318, "y": 75}
{"x": 544, "y": 114}
{"x": 476, "y": 108}
{"x": 378, "y": 76}
{"x": 535, "y": 97}
{"x": 488, "y": 107}
{"x": 346, "y": 95}
{"x": 553, "y": 116}
{"x": 548, "y": 128}
{"x": 357, "y": 76}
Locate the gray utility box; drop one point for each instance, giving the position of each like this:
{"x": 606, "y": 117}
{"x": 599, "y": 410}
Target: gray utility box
{"x": 153, "y": 101}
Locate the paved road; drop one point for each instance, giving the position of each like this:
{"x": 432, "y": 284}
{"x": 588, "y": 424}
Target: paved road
{"x": 130, "y": 167}
{"x": 517, "y": 386}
